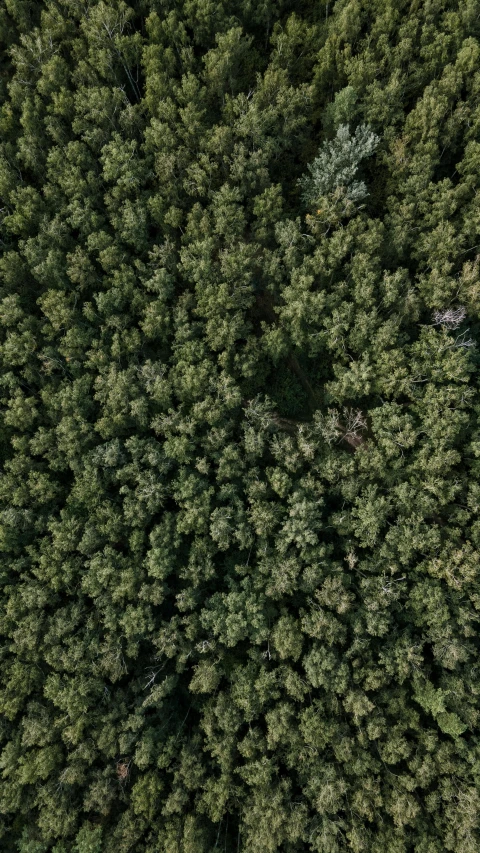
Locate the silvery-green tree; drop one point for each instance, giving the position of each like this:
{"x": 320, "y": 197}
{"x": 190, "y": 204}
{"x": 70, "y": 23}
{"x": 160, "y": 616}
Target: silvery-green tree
{"x": 336, "y": 165}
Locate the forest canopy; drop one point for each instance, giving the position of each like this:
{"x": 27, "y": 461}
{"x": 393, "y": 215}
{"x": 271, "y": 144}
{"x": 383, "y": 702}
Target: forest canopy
{"x": 240, "y": 426}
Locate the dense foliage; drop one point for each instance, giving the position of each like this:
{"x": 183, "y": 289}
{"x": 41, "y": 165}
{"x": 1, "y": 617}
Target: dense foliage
{"x": 240, "y": 534}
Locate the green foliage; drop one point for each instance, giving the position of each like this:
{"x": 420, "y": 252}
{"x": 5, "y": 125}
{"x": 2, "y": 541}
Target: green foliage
{"x": 239, "y": 426}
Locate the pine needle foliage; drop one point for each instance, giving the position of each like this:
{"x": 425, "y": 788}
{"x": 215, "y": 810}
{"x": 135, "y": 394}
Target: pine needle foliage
{"x": 239, "y": 426}
{"x": 337, "y": 164}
